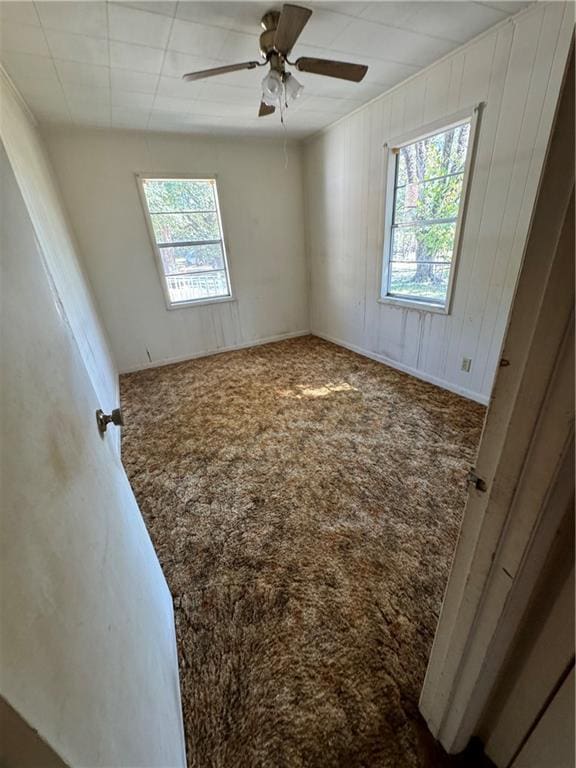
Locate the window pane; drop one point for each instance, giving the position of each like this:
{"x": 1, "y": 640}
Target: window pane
{"x": 433, "y": 156}
{"x": 419, "y": 243}
{"x": 209, "y": 285}
{"x": 186, "y": 226}
{"x": 182, "y": 227}
{"x": 429, "y": 200}
{"x": 428, "y": 282}
{"x": 179, "y": 195}
{"x": 190, "y": 258}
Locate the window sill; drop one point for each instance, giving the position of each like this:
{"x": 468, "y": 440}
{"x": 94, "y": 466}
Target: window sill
{"x": 423, "y": 306}
{"x": 200, "y": 302}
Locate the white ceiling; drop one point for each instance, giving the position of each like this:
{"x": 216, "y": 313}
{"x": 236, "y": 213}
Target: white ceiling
{"x": 119, "y": 64}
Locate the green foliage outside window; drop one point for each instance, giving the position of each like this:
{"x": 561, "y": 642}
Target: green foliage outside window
{"x": 184, "y": 216}
{"x": 172, "y": 195}
{"x": 427, "y": 195}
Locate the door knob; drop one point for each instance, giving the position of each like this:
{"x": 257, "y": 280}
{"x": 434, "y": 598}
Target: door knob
{"x": 103, "y": 419}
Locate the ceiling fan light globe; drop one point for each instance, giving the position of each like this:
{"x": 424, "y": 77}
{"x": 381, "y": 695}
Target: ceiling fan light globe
{"x": 293, "y": 87}
{"x": 270, "y": 101}
{"x": 271, "y": 88}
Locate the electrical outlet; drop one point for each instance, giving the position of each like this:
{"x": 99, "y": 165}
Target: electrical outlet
{"x": 466, "y": 364}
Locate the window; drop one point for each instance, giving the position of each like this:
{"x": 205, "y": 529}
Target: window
{"x": 426, "y": 190}
{"x": 184, "y": 220}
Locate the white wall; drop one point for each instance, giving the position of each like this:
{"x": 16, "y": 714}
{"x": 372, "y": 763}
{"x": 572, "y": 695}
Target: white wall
{"x": 87, "y": 641}
{"x": 516, "y": 69}
{"x": 263, "y": 220}
{"x": 34, "y": 176}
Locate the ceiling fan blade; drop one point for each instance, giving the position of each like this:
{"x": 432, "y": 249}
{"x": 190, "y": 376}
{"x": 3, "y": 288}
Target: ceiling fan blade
{"x": 265, "y": 110}
{"x": 220, "y": 70}
{"x": 342, "y": 69}
{"x": 292, "y": 21}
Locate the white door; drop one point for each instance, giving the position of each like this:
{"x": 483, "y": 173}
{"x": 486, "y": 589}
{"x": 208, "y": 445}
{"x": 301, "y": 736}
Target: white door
{"x": 87, "y": 643}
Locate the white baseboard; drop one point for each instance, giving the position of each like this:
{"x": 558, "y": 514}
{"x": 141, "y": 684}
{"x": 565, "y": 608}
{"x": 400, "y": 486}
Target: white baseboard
{"x": 467, "y": 393}
{"x": 219, "y": 351}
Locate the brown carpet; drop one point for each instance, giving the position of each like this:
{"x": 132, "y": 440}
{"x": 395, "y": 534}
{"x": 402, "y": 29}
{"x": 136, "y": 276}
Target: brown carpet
{"x": 304, "y": 502}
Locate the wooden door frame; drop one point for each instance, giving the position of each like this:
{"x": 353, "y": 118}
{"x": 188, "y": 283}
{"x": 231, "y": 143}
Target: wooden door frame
{"x": 526, "y": 442}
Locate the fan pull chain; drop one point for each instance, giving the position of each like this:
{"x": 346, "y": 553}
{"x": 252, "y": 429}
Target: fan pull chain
{"x": 283, "y": 111}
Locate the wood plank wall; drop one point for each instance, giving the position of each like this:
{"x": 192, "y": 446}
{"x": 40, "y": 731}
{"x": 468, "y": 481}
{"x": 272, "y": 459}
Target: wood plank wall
{"x": 516, "y": 69}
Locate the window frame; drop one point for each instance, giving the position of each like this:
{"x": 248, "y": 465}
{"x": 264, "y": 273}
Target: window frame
{"x": 470, "y": 115}
{"x": 171, "y": 305}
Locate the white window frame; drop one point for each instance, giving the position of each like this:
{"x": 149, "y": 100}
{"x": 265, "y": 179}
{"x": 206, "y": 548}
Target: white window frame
{"x": 470, "y": 115}
{"x": 140, "y": 178}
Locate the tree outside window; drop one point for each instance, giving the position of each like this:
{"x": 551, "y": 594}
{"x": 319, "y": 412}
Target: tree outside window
{"x": 428, "y": 185}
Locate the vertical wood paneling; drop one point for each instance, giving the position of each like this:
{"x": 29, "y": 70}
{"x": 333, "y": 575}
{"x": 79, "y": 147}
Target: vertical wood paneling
{"x": 503, "y": 193}
{"x": 438, "y": 85}
{"x": 516, "y": 70}
{"x": 556, "y": 33}
{"x": 378, "y": 128}
{"x": 484, "y": 210}
{"x": 414, "y": 104}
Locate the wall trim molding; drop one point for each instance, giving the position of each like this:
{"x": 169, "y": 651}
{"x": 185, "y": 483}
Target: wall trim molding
{"x": 17, "y": 95}
{"x": 219, "y": 351}
{"x": 442, "y": 383}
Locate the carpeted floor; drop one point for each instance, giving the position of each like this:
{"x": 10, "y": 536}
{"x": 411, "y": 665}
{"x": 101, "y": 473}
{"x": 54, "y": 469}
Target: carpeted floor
{"x": 304, "y": 503}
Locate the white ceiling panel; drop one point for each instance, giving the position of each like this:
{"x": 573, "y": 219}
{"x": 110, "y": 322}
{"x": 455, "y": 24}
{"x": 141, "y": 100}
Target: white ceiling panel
{"x": 223, "y": 109}
{"x": 138, "y": 58}
{"x": 90, "y": 113}
{"x": 135, "y": 26}
{"x": 23, "y": 38}
{"x": 175, "y": 121}
{"x": 138, "y": 82}
{"x": 88, "y": 18}
{"x": 36, "y": 89}
{"x": 70, "y": 47}
{"x": 121, "y": 117}
{"x": 47, "y": 104}
{"x": 196, "y": 39}
{"x": 238, "y": 16}
{"x": 217, "y": 91}
{"x": 165, "y": 7}
{"x": 239, "y": 46}
{"x": 131, "y": 100}
{"x": 323, "y": 28}
{"x": 19, "y": 12}
{"x": 506, "y": 7}
{"x": 175, "y": 87}
{"x": 390, "y": 43}
{"x": 24, "y": 66}
{"x": 88, "y": 75}
{"x": 448, "y": 20}
{"x": 77, "y": 93}
{"x": 120, "y": 64}
{"x": 325, "y": 105}
{"x": 173, "y": 104}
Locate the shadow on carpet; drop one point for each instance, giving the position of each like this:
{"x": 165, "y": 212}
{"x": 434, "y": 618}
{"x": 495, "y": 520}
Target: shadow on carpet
{"x": 304, "y": 502}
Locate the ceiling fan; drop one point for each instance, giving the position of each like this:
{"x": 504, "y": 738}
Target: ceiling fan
{"x": 281, "y": 31}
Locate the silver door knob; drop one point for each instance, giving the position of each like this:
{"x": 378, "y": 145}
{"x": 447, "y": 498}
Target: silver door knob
{"x": 103, "y": 419}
